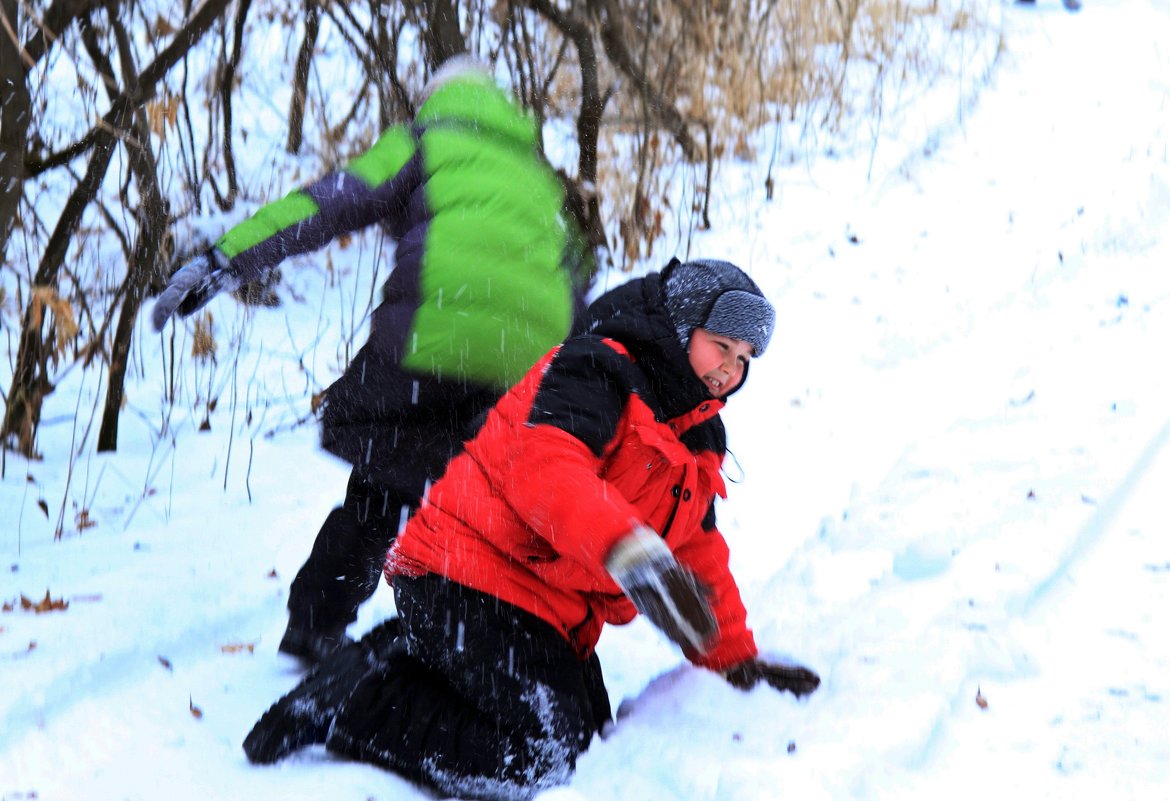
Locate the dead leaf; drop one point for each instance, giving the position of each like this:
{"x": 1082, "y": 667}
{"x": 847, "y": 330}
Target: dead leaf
{"x": 980, "y": 701}
{"x": 7, "y": 607}
{"x": 196, "y": 712}
{"x": 44, "y": 507}
{"x": 65, "y": 326}
{"x": 46, "y": 604}
{"x": 162, "y": 113}
{"x": 163, "y": 27}
{"x": 162, "y": 660}
{"x": 155, "y": 115}
{"x": 238, "y": 647}
{"x": 83, "y": 521}
{"x": 272, "y": 573}
{"x": 203, "y": 344}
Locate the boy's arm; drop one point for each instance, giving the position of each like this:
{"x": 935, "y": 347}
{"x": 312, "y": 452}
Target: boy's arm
{"x": 375, "y": 186}
{"x": 734, "y": 652}
{"x": 706, "y": 554}
{"x": 563, "y": 498}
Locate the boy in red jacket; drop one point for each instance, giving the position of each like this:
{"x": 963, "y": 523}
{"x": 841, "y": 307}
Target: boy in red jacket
{"x": 587, "y": 496}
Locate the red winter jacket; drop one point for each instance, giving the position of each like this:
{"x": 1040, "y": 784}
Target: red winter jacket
{"x": 599, "y": 436}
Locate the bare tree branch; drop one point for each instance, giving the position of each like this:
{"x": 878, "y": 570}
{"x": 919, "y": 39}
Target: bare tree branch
{"x": 379, "y": 58}
{"x": 30, "y": 382}
{"x": 582, "y": 200}
{"x": 615, "y": 38}
{"x": 60, "y": 14}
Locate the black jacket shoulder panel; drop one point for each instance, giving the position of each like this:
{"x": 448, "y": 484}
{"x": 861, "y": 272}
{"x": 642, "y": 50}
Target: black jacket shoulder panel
{"x": 584, "y": 391}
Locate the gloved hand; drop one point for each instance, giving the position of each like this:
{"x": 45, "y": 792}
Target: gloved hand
{"x": 662, "y": 589}
{"x": 796, "y": 679}
{"x": 193, "y": 286}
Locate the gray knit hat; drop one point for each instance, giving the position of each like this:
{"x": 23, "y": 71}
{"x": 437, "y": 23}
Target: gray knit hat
{"x": 717, "y": 296}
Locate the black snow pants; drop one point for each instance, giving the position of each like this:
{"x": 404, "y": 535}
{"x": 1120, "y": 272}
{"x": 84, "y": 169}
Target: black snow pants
{"x": 398, "y": 430}
{"x": 486, "y": 701}
{"x": 345, "y": 564}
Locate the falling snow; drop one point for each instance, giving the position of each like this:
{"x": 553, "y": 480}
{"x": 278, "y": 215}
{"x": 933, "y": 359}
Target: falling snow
{"x": 951, "y": 462}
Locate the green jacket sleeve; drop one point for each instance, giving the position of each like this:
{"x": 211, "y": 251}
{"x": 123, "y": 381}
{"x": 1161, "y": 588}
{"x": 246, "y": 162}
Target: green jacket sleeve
{"x": 373, "y": 187}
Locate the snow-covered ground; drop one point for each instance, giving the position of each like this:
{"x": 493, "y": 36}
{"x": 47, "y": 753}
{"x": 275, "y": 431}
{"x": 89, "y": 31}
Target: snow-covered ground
{"x": 947, "y": 499}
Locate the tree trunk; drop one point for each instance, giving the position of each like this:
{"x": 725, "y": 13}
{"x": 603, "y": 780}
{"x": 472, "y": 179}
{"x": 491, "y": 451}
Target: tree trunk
{"x": 584, "y": 205}
{"x": 441, "y": 38}
{"x": 153, "y": 216}
{"x": 226, "y": 87}
{"x": 296, "y": 111}
{"x": 15, "y": 117}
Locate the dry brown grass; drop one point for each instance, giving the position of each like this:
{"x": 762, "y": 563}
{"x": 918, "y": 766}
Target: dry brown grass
{"x": 736, "y": 67}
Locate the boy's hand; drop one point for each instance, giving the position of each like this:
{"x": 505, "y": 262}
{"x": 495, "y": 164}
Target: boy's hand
{"x": 192, "y": 287}
{"x": 662, "y": 589}
{"x": 796, "y": 679}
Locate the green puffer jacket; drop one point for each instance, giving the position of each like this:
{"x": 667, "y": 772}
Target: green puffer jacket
{"x": 479, "y": 291}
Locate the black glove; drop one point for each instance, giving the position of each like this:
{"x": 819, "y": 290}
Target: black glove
{"x": 796, "y": 679}
{"x": 662, "y": 589}
{"x": 193, "y": 286}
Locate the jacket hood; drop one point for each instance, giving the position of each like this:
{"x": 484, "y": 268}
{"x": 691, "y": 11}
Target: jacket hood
{"x": 635, "y": 315}
{"x": 472, "y": 98}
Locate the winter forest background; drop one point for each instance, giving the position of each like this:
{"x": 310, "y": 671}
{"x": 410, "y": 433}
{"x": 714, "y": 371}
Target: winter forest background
{"x": 136, "y": 134}
{"x": 946, "y": 470}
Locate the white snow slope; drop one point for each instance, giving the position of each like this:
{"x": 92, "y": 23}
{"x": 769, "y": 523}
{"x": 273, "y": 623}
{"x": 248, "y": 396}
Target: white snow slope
{"x": 947, "y": 476}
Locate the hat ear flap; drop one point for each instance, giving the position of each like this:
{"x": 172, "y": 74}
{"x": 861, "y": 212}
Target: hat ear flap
{"x": 669, "y": 268}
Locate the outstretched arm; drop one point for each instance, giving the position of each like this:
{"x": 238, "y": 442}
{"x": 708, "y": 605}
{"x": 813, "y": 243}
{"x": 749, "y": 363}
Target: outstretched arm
{"x": 374, "y": 187}
{"x": 734, "y": 652}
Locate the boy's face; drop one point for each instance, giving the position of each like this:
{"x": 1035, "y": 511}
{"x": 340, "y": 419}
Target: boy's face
{"x": 718, "y": 360}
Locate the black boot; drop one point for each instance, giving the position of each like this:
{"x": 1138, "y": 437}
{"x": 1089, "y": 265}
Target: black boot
{"x": 303, "y": 716}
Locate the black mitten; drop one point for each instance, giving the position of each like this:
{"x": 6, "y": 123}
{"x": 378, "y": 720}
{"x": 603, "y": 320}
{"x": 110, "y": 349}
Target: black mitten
{"x": 662, "y": 589}
{"x": 795, "y": 679}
